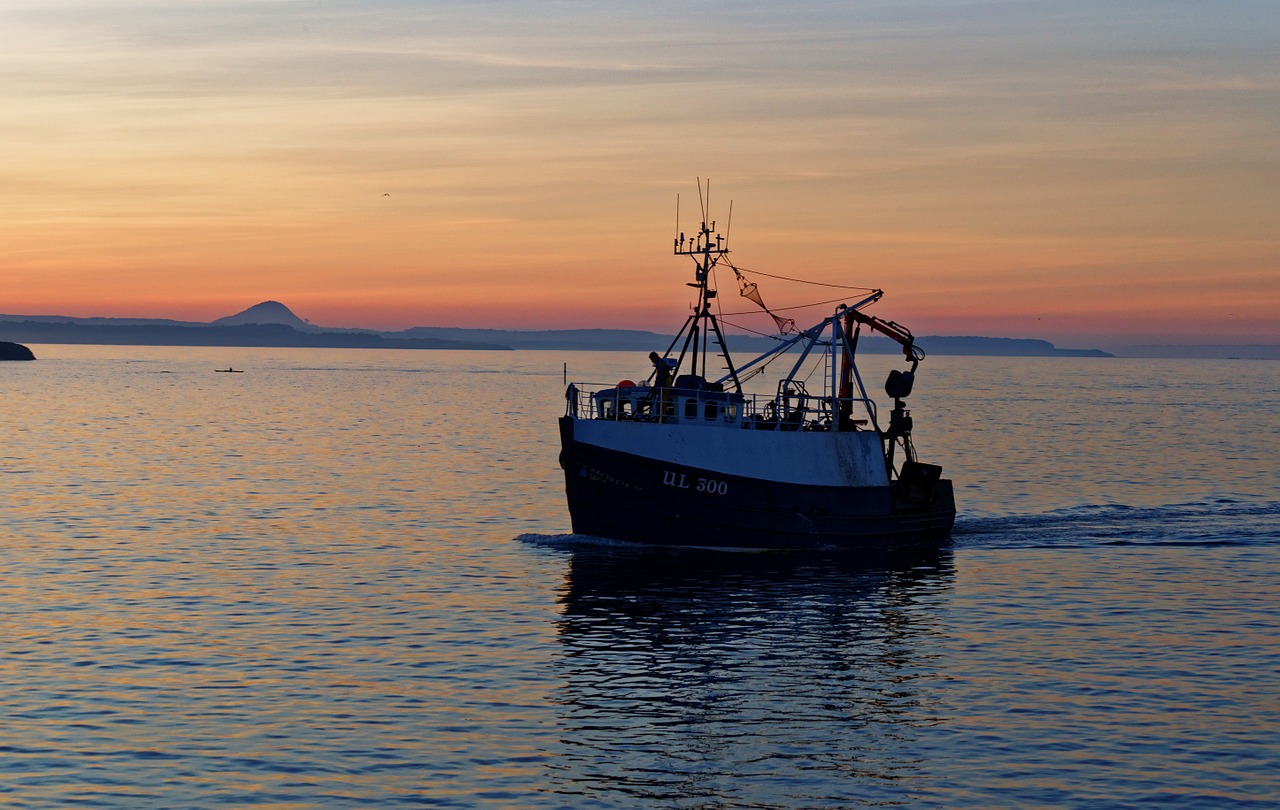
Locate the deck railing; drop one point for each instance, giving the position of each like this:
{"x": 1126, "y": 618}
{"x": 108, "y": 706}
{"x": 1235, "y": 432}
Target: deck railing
{"x": 688, "y": 406}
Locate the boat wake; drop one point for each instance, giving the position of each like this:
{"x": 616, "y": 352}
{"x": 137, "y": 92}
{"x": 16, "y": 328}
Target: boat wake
{"x": 1223, "y": 521}
{"x": 574, "y": 541}
{"x": 581, "y": 542}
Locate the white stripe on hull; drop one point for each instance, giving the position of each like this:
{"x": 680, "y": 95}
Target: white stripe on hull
{"x": 849, "y": 458}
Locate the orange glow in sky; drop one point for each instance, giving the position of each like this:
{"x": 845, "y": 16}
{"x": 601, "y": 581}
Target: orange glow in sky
{"x": 1086, "y": 173}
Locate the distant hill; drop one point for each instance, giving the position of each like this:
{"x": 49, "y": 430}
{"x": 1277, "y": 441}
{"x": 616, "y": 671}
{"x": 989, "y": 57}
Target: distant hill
{"x": 635, "y": 340}
{"x": 274, "y": 334}
{"x": 567, "y": 339}
{"x": 271, "y": 323}
{"x": 1207, "y": 351}
{"x": 1000, "y": 347}
{"x": 67, "y": 319}
{"x": 264, "y": 313}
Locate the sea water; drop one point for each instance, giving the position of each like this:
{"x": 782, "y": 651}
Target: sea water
{"x": 346, "y": 579}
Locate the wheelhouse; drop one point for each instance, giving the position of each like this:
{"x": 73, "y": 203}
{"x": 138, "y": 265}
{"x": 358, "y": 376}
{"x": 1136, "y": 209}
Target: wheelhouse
{"x": 691, "y": 401}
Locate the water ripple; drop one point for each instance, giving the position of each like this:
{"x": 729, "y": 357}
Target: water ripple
{"x": 298, "y": 588}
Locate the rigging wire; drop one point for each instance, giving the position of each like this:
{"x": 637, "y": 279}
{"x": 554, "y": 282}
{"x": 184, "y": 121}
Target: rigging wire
{"x": 770, "y": 335}
{"x": 798, "y": 306}
{"x": 825, "y": 359}
{"x": 797, "y": 280}
{"x": 716, "y": 280}
{"x": 724, "y": 341}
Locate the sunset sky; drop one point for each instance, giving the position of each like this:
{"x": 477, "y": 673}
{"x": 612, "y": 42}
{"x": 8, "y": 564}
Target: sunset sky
{"x": 1088, "y": 172}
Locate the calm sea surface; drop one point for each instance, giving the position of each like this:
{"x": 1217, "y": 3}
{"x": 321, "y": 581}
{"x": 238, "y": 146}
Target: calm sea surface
{"x": 345, "y": 579}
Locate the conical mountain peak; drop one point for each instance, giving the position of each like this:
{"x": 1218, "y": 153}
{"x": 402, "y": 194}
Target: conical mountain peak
{"x": 266, "y": 312}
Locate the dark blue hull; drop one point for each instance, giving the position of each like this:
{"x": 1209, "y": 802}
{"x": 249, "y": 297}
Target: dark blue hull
{"x": 629, "y": 497}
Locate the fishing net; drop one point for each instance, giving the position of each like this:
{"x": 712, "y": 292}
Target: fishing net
{"x": 750, "y": 291}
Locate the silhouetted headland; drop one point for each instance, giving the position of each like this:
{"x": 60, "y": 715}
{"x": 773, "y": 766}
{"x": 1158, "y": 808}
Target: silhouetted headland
{"x": 635, "y": 340}
{"x": 15, "y": 351}
{"x": 271, "y": 323}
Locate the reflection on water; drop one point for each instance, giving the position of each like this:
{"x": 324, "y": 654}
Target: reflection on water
{"x": 297, "y": 587}
{"x": 755, "y": 680}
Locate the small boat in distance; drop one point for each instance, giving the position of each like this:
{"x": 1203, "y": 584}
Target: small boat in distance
{"x": 229, "y": 370}
{"x": 684, "y": 459}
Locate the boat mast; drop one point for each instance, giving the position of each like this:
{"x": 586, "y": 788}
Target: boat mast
{"x": 705, "y": 249}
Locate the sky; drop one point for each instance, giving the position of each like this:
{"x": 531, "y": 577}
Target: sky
{"x": 1091, "y": 173}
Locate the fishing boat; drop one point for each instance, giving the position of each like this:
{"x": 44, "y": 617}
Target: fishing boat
{"x": 691, "y": 457}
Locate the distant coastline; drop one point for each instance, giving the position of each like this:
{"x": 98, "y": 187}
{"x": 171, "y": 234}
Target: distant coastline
{"x": 22, "y": 329}
{"x": 634, "y": 340}
{"x": 278, "y": 335}
{"x": 272, "y": 324}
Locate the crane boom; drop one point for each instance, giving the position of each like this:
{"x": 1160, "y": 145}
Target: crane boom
{"x": 893, "y": 331}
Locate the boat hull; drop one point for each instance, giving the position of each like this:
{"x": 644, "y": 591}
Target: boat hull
{"x": 627, "y": 496}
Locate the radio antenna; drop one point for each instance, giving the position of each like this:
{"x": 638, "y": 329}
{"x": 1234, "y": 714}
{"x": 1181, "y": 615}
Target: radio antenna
{"x": 728, "y": 230}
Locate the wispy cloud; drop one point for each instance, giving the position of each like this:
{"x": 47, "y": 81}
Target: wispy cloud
{"x": 972, "y": 136}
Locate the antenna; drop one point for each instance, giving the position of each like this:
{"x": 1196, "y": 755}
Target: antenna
{"x": 701, "y": 202}
{"x": 728, "y": 228}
